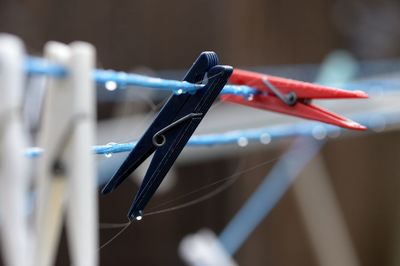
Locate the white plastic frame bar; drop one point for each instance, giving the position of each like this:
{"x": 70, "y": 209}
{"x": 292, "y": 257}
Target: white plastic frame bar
{"x": 67, "y": 179}
{"x": 14, "y": 172}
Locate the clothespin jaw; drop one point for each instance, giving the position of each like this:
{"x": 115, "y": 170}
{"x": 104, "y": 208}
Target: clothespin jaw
{"x": 171, "y": 130}
{"x": 291, "y": 97}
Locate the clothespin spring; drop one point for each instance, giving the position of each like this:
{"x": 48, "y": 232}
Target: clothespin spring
{"x": 289, "y": 99}
{"x": 159, "y": 138}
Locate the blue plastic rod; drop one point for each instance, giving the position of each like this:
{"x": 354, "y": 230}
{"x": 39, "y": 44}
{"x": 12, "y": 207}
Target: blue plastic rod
{"x": 267, "y": 195}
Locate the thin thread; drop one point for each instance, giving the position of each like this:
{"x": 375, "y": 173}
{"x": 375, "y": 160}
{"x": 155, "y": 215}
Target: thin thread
{"x": 115, "y": 236}
{"x": 196, "y": 190}
{"x": 230, "y": 181}
{"x": 126, "y": 225}
{"x": 196, "y": 201}
{"x": 112, "y": 225}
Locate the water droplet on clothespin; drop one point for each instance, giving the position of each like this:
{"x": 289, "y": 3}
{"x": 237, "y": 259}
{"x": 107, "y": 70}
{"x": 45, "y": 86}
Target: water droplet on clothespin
{"x": 250, "y": 97}
{"x": 109, "y": 154}
{"x": 179, "y": 92}
{"x": 111, "y": 85}
{"x": 265, "y": 138}
{"x": 243, "y": 142}
{"x": 138, "y": 218}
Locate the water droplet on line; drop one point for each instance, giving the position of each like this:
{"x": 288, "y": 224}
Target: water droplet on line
{"x": 319, "y": 132}
{"x": 242, "y": 142}
{"x": 111, "y": 85}
{"x": 265, "y": 138}
{"x": 109, "y": 154}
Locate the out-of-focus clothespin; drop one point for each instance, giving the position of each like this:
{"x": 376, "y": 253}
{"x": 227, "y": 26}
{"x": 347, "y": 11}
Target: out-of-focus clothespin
{"x": 67, "y": 179}
{"x": 14, "y": 174}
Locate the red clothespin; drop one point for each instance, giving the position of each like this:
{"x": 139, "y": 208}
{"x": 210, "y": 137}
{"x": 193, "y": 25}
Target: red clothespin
{"x": 291, "y": 97}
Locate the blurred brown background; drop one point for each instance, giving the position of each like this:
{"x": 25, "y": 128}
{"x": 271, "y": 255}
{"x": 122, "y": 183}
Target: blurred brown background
{"x": 364, "y": 170}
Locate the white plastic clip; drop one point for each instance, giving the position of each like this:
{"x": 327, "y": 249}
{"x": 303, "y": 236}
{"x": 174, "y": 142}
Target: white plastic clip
{"x": 204, "y": 249}
{"x": 67, "y": 177}
{"x": 14, "y": 172}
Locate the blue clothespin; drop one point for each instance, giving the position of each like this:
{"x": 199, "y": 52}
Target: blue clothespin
{"x": 171, "y": 130}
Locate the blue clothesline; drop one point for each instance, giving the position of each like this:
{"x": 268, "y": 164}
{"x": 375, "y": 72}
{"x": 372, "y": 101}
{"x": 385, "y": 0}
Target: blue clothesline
{"x": 39, "y": 66}
{"x": 374, "y": 121}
